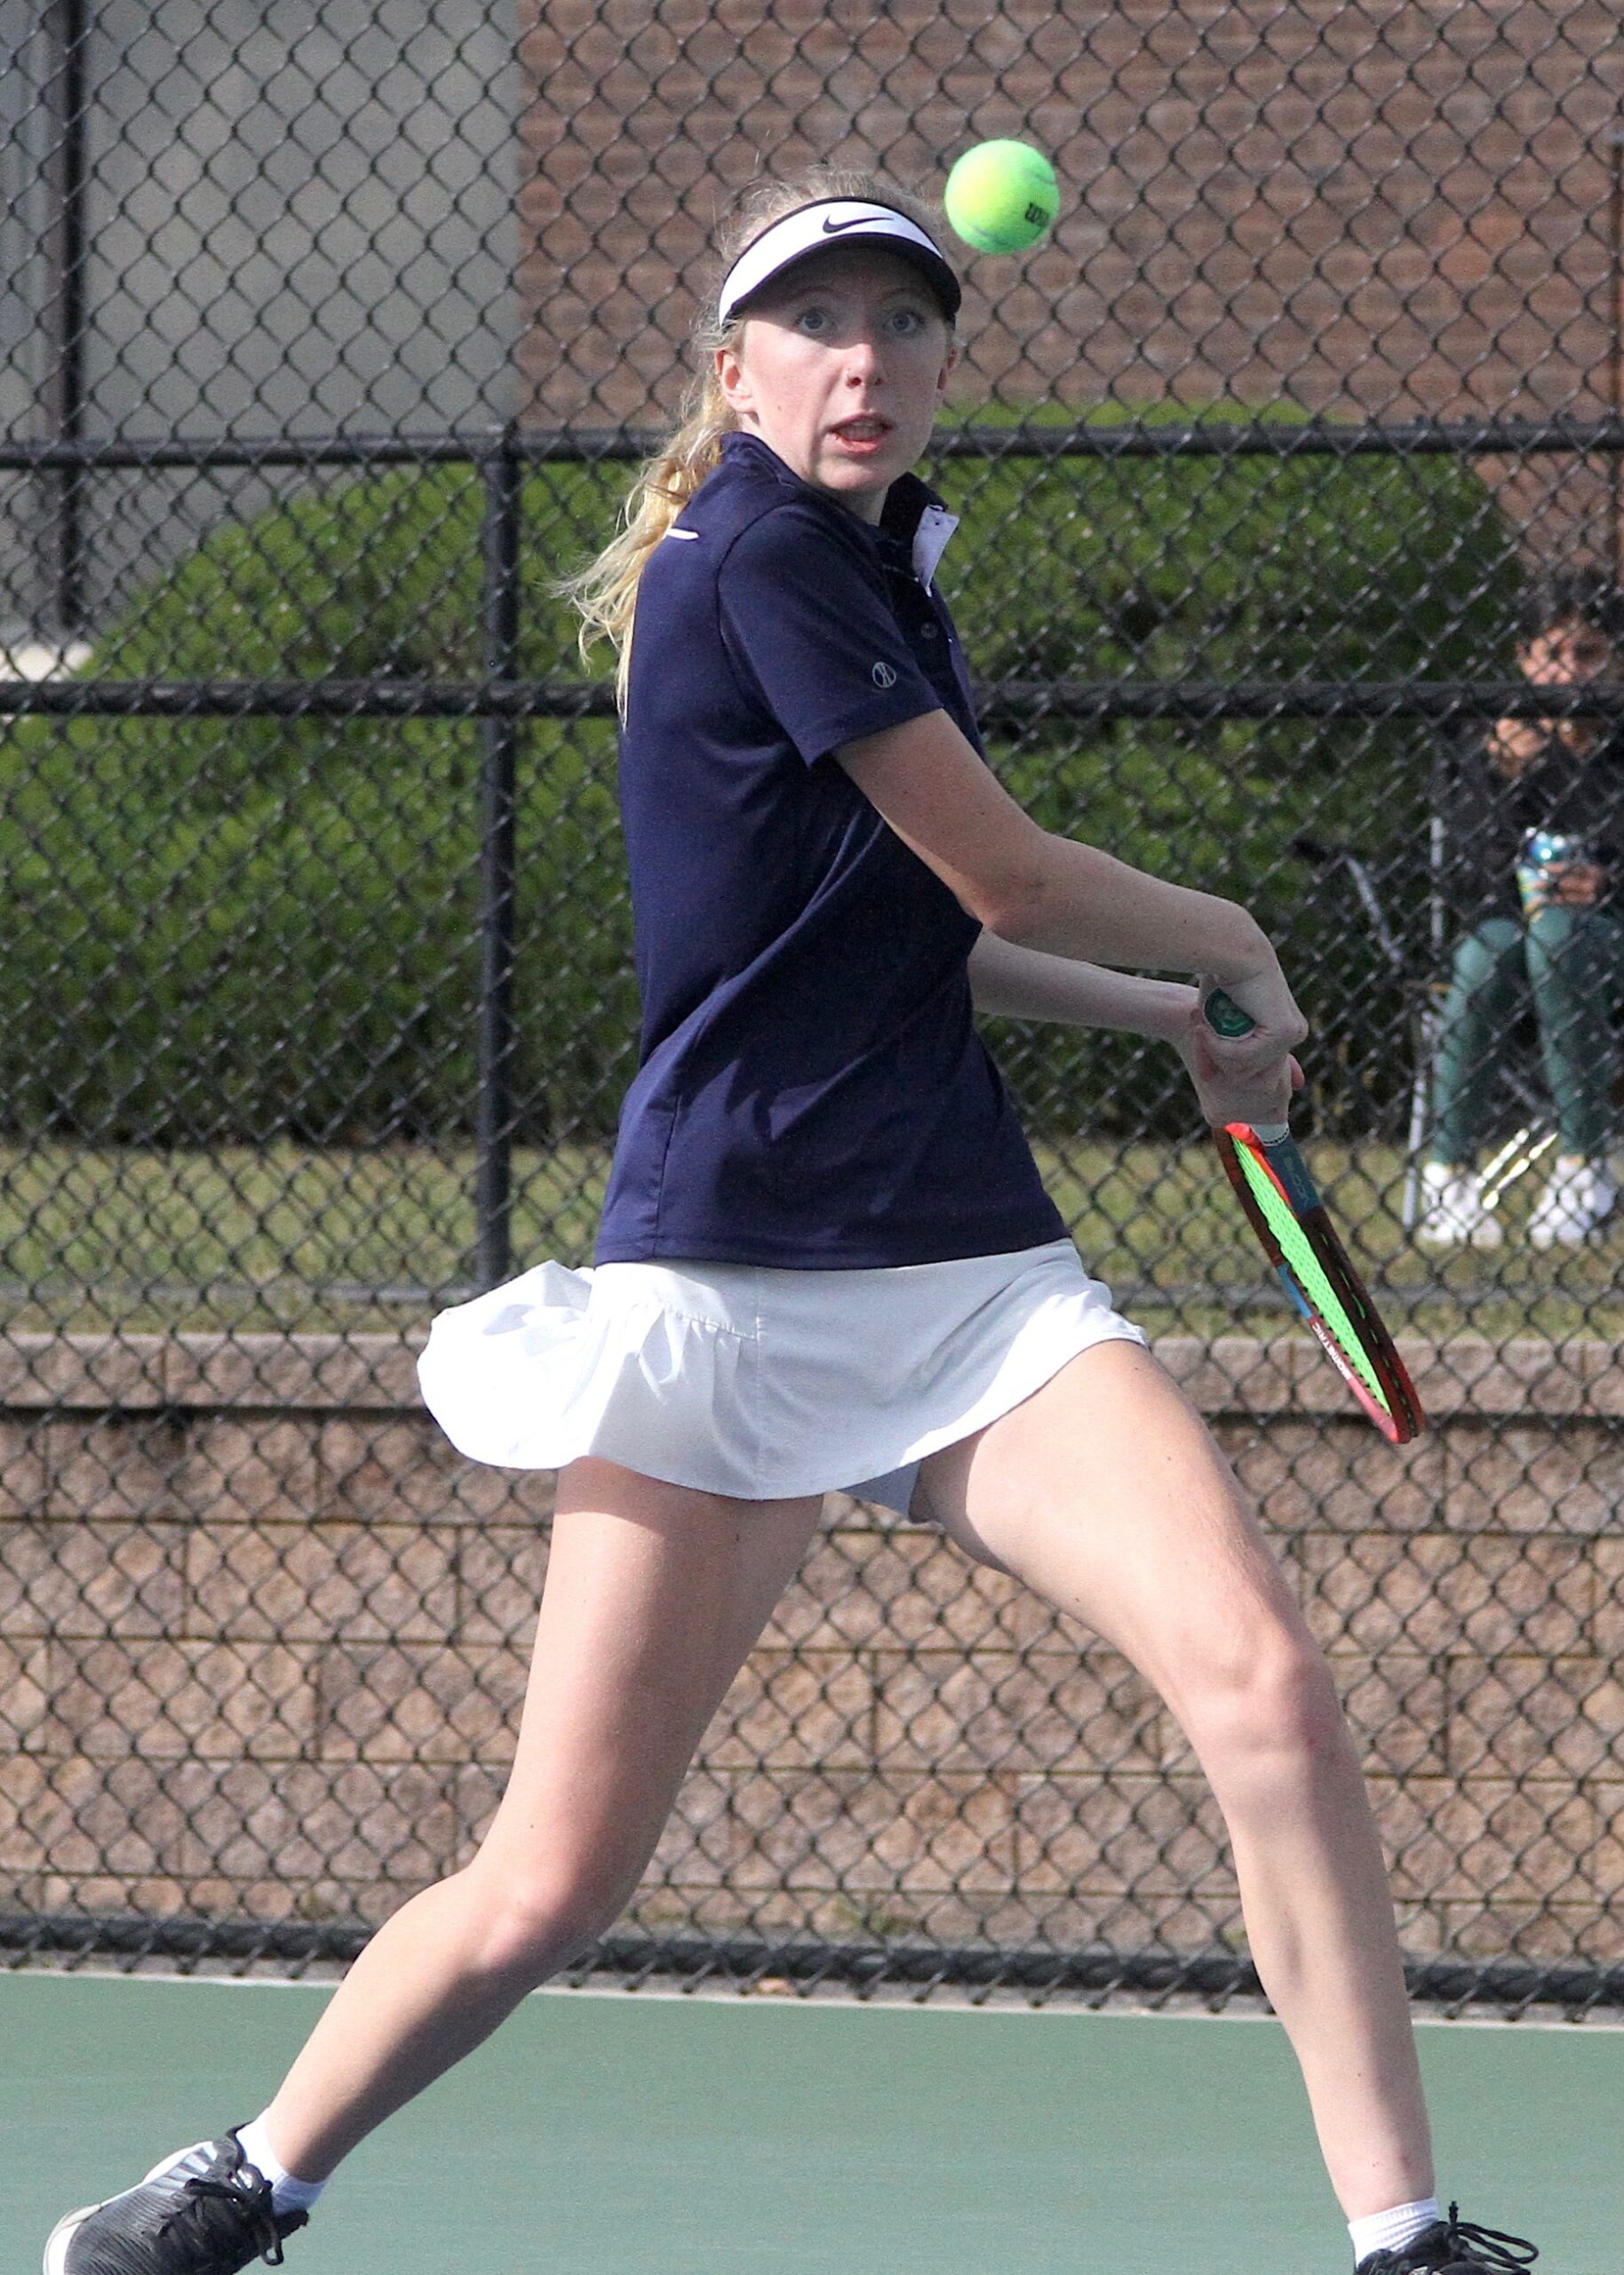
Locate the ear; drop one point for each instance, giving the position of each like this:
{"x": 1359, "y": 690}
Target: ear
{"x": 732, "y": 379}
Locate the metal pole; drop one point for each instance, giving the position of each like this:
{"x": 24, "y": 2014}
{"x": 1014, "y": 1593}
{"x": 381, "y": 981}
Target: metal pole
{"x": 68, "y": 378}
{"x": 498, "y": 862}
{"x": 1615, "y": 391}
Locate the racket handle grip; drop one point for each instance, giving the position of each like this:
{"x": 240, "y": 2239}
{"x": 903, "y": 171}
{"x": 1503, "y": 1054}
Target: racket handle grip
{"x": 1225, "y": 1017}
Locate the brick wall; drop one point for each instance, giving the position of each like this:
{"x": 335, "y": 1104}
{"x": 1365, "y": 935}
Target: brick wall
{"x": 263, "y": 1641}
{"x": 1379, "y": 206}
{"x": 1365, "y": 208}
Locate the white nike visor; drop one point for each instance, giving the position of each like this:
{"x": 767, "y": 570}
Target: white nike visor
{"x": 831, "y": 221}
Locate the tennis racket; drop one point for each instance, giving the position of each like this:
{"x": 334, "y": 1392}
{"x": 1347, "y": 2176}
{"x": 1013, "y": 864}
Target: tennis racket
{"x": 1286, "y": 1213}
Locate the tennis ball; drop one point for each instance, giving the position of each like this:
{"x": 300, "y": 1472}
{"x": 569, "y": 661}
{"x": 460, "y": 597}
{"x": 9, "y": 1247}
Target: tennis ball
{"x": 1001, "y": 196}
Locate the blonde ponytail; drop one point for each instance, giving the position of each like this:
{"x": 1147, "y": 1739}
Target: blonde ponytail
{"x": 605, "y": 592}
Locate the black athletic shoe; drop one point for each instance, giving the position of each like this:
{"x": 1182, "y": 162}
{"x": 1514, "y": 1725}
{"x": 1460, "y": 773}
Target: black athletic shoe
{"x": 206, "y": 2211}
{"x": 1452, "y": 2247}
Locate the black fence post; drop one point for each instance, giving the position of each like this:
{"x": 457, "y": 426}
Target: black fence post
{"x": 502, "y": 476}
{"x": 70, "y": 19}
{"x": 1615, "y": 350}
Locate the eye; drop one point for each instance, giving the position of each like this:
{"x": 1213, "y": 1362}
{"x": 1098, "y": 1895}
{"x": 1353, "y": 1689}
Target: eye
{"x": 906, "y": 322}
{"x": 812, "y": 321}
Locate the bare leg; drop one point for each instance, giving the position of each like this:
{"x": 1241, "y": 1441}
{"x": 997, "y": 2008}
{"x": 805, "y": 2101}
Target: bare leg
{"x": 654, "y": 1596}
{"x": 1106, "y": 1494}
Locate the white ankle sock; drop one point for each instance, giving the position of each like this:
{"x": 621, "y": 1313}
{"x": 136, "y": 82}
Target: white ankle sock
{"x": 1391, "y": 2231}
{"x": 288, "y": 2193}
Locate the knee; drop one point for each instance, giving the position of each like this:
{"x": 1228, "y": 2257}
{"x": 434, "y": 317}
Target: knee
{"x": 1573, "y": 948}
{"x": 530, "y": 1923}
{"x": 1554, "y": 934}
{"x": 1477, "y": 958}
{"x": 1469, "y": 969}
{"x": 1269, "y": 1717}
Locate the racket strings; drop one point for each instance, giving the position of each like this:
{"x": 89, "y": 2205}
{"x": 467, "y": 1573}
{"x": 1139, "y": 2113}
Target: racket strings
{"x": 1314, "y": 1270}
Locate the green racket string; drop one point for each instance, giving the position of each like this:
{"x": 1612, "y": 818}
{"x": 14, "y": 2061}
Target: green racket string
{"x": 1309, "y": 1271}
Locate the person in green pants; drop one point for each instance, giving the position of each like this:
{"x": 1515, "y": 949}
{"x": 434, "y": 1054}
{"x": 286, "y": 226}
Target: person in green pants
{"x": 1533, "y": 839}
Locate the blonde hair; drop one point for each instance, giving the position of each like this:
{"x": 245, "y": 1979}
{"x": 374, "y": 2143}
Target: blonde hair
{"x": 605, "y": 592}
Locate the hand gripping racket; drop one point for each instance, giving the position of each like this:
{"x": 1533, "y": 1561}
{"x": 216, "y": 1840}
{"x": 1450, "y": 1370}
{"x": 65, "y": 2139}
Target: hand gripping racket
{"x": 1286, "y": 1213}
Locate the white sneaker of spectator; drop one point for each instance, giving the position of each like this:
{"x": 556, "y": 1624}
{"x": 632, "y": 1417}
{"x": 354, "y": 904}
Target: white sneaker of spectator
{"x": 1578, "y": 1200}
{"x": 1455, "y": 1215}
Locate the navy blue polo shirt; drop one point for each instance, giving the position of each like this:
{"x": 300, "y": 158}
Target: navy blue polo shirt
{"x": 812, "y": 1090}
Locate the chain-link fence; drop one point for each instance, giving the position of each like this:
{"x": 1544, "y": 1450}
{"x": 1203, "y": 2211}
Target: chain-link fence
{"x": 325, "y": 337}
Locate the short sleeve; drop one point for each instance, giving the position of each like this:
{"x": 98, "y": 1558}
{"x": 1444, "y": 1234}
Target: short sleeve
{"x": 806, "y": 617}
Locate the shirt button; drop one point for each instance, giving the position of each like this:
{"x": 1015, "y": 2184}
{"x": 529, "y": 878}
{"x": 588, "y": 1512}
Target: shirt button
{"x": 929, "y": 632}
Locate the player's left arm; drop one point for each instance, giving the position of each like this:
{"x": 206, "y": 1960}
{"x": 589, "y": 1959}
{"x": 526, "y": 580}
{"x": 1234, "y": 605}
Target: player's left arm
{"x": 1009, "y": 981}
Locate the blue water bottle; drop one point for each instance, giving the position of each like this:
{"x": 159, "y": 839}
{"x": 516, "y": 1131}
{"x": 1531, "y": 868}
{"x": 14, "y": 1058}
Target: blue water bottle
{"x": 1545, "y": 854}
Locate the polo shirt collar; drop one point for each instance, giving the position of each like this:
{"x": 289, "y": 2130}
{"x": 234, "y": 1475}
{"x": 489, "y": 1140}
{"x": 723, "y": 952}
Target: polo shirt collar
{"x": 914, "y": 512}
{"x": 912, "y": 515}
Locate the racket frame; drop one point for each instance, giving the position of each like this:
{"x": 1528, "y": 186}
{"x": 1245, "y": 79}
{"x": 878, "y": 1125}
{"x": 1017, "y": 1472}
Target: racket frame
{"x": 1275, "y": 1153}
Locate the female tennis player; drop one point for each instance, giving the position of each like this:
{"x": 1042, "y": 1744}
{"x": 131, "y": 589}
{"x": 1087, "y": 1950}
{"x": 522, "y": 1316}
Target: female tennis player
{"x": 826, "y": 1259}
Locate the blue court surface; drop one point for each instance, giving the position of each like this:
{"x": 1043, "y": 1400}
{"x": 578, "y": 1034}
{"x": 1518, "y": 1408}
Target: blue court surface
{"x": 616, "y": 2134}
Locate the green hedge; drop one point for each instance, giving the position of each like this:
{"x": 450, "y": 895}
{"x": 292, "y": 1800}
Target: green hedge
{"x": 232, "y": 928}
{"x": 240, "y": 927}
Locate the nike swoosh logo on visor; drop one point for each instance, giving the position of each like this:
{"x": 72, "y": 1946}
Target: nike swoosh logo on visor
{"x": 863, "y": 222}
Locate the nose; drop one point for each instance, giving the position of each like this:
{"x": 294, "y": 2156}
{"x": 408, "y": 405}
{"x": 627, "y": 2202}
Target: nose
{"x": 863, "y": 360}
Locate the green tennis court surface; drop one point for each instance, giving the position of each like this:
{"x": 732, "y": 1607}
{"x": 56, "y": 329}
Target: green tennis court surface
{"x": 617, "y": 2136}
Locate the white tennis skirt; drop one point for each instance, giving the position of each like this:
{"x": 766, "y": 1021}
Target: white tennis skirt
{"x": 758, "y": 1383}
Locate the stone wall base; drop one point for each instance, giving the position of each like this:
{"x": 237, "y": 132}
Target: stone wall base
{"x": 264, "y": 1637}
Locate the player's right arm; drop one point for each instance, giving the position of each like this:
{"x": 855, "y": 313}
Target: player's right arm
{"x": 1057, "y": 894}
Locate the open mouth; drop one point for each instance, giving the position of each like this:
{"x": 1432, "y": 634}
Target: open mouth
{"x": 867, "y": 429}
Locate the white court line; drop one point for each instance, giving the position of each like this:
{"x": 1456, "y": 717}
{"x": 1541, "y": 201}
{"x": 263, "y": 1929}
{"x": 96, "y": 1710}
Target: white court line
{"x": 893, "y": 2002}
